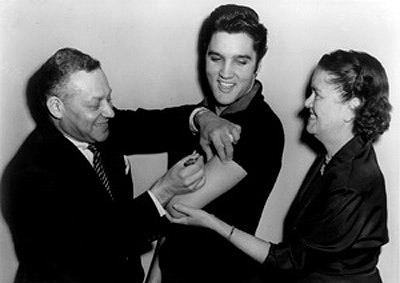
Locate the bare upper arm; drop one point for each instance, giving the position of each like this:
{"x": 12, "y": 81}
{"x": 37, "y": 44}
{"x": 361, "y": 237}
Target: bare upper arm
{"x": 220, "y": 177}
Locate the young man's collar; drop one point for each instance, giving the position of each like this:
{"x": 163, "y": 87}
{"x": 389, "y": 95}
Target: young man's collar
{"x": 239, "y": 105}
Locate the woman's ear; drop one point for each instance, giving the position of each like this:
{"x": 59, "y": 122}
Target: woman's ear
{"x": 353, "y": 104}
{"x": 55, "y": 106}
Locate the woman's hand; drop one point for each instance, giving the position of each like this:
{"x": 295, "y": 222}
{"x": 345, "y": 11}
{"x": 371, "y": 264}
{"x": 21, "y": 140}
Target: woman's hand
{"x": 193, "y": 216}
{"x": 255, "y": 247}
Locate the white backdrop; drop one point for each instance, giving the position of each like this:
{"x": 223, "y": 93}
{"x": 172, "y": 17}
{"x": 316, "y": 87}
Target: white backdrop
{"x": 148, "y": 51}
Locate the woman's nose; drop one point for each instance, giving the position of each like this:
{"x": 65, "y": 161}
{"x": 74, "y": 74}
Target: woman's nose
{"x": 308, "y": 103}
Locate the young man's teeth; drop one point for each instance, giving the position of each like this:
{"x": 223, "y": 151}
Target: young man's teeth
{"x": 226, "y": 85}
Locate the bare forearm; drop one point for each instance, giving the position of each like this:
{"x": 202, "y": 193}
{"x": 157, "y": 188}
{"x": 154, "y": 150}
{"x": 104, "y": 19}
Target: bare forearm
{"x": 256, "y": 248}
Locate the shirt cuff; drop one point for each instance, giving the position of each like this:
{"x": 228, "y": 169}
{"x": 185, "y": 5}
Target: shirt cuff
{"x": 127, "y": 165}
{"x": 192, "y": 125}
{"x": 158, "y": 205}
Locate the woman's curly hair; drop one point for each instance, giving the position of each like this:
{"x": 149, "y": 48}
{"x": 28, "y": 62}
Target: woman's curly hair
{"x": 358, "y": 74}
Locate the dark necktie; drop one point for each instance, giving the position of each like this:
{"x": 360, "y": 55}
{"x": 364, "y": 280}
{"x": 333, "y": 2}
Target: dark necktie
{"x": 99, "y": 168}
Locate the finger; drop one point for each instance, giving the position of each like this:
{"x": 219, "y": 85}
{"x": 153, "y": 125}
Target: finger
{"x": 191, "y": 164}
{"x": 173, "y": 213}
{"x": 238, "y": 128}
{"x": 175, "y": 216}
{"x": 220, "y": 148}
{"x": 194, "y": 181}
{"x": 201, "y": 183}
{"x": 228, "y": 147}
{"x": 182, "y": 220}
{"x": 190, "y": 159}
{"x": 198, "y": 184}
{"x": 206, "y": 148}
{"x": 235, "y": 132}
{"x": 200, "y": 161}
{"x": 169, "y": 217}
{"x": 184, "y": 209}
{"x": 208, "y": 151}
{"x": 193, "y": 171}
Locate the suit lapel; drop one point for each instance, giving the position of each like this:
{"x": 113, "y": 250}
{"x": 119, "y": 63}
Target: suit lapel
{"x": 76, "y": 166}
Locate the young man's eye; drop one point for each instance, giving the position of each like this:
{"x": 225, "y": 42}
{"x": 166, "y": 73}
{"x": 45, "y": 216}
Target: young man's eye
{"x": 215, "y": 58}
{"x": 242, "y": 62}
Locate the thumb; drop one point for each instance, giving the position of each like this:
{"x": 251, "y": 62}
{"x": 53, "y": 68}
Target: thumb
{"x": 182, "y": 208}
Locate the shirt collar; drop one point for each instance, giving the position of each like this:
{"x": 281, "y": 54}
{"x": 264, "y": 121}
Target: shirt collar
{"x": 80, "y": 145}
{"x": 242, "y": 103}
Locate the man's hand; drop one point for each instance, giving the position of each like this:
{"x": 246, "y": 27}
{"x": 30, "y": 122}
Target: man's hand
{"x": 219, "y": 133}
{"x": 185, "y": 176}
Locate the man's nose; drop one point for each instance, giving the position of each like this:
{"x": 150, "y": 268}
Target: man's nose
{"x": 226, "y": 70}
{"x": 108, "y": 110}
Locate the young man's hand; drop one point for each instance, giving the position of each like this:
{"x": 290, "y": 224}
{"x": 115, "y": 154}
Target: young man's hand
{"x": 217, "y": 134}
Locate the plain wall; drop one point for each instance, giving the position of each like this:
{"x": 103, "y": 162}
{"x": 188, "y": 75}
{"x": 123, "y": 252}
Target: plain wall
{"x": 148, "y": 51}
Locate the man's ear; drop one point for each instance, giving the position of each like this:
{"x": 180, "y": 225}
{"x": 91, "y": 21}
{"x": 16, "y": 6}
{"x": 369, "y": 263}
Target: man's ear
{"x": 55, "y": 106}
{"x": 258, "y": 68}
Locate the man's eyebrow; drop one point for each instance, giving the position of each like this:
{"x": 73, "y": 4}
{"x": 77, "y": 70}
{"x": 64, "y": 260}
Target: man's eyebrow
{"x": 244, "y": 56}
{"x": 248, "y": 57}
{"x": 210, "y": 52}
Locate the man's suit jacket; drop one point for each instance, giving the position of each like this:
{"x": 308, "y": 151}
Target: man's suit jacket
{"x": 64, "y": 225}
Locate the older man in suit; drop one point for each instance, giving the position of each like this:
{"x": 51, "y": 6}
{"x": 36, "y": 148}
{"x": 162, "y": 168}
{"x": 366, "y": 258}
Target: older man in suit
{"x": 67, "y": 193}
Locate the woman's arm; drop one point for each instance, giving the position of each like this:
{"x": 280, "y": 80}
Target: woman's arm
{"x": 220, "y": 177}
{"x": 256, "y": 248}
